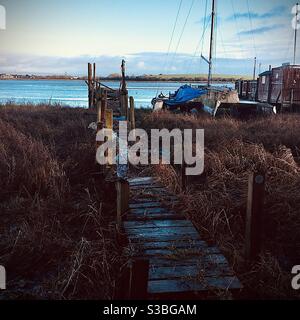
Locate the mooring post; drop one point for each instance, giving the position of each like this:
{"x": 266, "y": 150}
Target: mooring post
{"x": 183, "y": 168}
{"x": 124, "y": 92}
{"x": 139, "y": 279}
{"x": 94, "y": 85}
{"x": 90, "y": 84}
{"x": 254, "y": 218}
{"x": 122, "y": 187}
{"x": 103, "y": 107}
{"x": 109, "y": 125}
{"x": 132, "y": 113}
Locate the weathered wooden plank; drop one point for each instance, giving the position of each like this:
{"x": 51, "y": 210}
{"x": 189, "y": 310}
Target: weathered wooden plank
{"x": 179, "y": 260}
{"x": 208, "y": 283}
{"x": 136, "y": 197}
{"x": 174, "y": 253}
{"x": 220, "y": 270}
{"x": 165, "y": 237}
{"x": 210, "y": 259}
{"x": 144, "y": 205}
{"x": 153, "y": 191}
{"x": 144, "y": 232}
{"x": 146, "y": 186}
{"x": 150, "y": 217}
{"x": 172, "y": 244}
{"x": 183, "y": 253}
{"x": 158, "y": 190}
{"x": 140, "y": 180}
{"x": 143, "y": 211}
{"x": 157, "y": 223}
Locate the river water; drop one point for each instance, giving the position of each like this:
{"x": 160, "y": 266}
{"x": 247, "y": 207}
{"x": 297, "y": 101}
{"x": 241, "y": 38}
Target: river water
{"x": 74, "y": 92}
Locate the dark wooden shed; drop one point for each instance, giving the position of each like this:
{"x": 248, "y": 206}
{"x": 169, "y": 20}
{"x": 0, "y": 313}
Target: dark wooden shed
{"x": 264, "y": 86}
{"x": 281, "y": 87}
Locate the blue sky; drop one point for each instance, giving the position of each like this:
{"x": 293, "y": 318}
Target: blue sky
{"x": 61, "y": 36}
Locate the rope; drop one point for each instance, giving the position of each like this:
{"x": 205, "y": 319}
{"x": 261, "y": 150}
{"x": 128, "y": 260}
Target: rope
{"x": 251, "y": 26}
{"x": 197, "y": 51}
{"x": 215, "y": 39}
{"x": 171, "y": 40}
{"x": 182, "y": 32}
{"x": 201, "y": 41}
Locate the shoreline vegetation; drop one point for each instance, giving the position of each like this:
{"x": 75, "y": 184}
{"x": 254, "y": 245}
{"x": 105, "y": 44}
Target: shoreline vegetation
{"x": 58, "y": 239}
{"x": 142, "y": 78}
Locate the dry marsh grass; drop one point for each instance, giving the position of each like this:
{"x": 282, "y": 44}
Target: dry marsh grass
{"x": 216, "y": 200}
{"x": 57, "y": 240}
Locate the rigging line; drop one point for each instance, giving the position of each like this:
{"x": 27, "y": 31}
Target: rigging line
{"x": 286, "y": 56}
{"x": 251, "y": 26}
{"x": 215, "y": 39}
{"x": 204, "y": 27}
{"x": 182, "y": 32}
{"x": 171, "y": 40}
{"x": 201, "y": 41}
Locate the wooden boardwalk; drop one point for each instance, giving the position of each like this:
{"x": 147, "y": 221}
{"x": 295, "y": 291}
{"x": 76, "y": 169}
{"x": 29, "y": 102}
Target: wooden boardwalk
{"x": 180, "y": 262}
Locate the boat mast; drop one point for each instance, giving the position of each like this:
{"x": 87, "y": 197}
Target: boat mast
{"x": 211, "y": 42}
{"x": 295, "y": 38}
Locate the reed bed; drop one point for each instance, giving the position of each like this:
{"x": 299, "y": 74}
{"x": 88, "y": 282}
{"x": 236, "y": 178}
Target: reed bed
{"x": 216, "y": 200}
{"x": 57, "y": 237}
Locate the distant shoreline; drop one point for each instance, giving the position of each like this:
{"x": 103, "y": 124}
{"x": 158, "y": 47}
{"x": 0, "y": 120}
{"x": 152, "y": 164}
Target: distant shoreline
{"x": 146, "y": 78}
{"x": 118, "y": 80}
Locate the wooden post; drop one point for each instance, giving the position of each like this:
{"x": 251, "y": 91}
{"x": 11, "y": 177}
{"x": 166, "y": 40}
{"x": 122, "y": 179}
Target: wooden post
{"x": 256, "y": 90}
{"x": 109, "y": 125}
{"x": 103, "y": 107}
{"x": 241, "y": 89}
{"x": 124, "y": 92}
{"x": 90, "y": 88}
{"x": 139, "y": 279}
{"x": 254, "y": 219}
{"x": 122, "y": 187}
{"x": 247, "y": 90}
{"x": 183, "y": 168}
{"x": 109, "y": 118}
{"x": 132, "y": 113}
{"x": 94, "y": 72}
{"x": 124, "y": 103}
{"x": 94, "y": 86}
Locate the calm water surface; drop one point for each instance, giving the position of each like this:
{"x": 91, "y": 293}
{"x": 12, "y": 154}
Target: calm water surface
{"x": 74, "y": 92}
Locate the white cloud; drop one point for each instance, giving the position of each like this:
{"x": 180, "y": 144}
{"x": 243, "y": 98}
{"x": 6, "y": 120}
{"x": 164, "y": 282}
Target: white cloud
{"x": 141, "y": 65}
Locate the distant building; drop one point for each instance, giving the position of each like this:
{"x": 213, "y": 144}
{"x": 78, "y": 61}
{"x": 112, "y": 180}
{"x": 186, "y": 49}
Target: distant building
{"x": 5, "y": 76}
